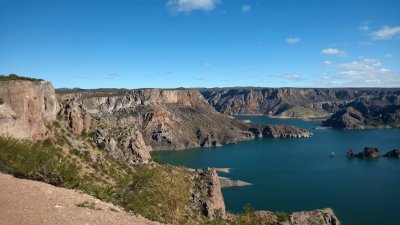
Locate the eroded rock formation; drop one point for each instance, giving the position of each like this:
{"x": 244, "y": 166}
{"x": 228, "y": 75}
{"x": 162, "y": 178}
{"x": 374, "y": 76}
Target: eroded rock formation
{"x": 368, "y": 152}
{"x": 368, "y": 112}
{"x": 27, "y": 109}
{"x": 306, "y": 103}
{"x": 167, "y": 119}
{"x": 285, "y": 131}
{"x": 208, "y": 193}
{"x": 316, "y": 217}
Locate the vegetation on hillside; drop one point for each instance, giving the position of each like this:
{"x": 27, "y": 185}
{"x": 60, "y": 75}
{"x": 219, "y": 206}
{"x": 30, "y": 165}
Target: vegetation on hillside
{"x": 157, "y": 192}
{"x": 16, "y": 77}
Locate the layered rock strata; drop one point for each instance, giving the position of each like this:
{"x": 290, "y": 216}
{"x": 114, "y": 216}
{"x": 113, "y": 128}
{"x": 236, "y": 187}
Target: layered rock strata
{"x": 367, "y": 112}
{"x": 305, "y": 103}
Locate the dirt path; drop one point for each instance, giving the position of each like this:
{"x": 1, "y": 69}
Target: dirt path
{"x": 34, "y": 203}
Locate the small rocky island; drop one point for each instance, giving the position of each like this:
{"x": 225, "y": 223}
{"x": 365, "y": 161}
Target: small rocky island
{"x": 372, "y": 152}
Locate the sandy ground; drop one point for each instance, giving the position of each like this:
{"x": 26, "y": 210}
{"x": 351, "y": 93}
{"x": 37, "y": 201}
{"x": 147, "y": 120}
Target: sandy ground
{"x": 34, "y": 203}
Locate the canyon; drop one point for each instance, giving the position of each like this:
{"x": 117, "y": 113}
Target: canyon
{"x": 345, "y": 108}
{"x": 128, "y": 124}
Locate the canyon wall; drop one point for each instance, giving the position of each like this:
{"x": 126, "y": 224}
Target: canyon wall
{"x": 307, "y": 103}
{"x": 166, "y": 119}
{"x": 26, "y": 109}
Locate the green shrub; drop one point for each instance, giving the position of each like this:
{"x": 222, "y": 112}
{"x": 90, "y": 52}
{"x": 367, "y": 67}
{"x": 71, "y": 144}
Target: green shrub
{"x": 16, "y": 77}
{"x": 159, "y": 193}
{"x": 37, "y": 161}
{"x": 89, "y": 205}
{"x": 1, "y": 101}
{"x": 247, "y": 209}
{"x": 282, "y": 216}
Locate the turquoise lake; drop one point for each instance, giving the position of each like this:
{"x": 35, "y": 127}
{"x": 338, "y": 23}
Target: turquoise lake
{"x": 297, "y": 174}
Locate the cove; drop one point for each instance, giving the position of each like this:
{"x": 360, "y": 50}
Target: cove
{"x": 297, "y": 174}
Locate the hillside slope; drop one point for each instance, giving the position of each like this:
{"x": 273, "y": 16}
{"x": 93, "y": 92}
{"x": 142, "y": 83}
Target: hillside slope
{"x": 31, "y": 203}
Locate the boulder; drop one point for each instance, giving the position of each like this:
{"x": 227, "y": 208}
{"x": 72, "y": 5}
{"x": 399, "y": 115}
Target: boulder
{"x": 392, "y": 154}
{"x": 316, "y": 217}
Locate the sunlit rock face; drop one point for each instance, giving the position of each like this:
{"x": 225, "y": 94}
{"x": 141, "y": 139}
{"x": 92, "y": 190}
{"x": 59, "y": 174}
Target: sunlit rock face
{"x": 26, "y": 109}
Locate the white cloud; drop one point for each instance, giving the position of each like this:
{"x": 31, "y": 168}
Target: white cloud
{"x": 365, "y": 64}
{"x": 364, "y": 28}
{"x": 292, "y": 40}
{"x": 246, "y": 8}
{"x": 186, "y": 6}
{"x": 333, "y": 51}
{"x": 207, "y": 65}
{"x": 328, "y": 62}
{"x": 386, "y": 33}
{"x": 389, "y": 55}
{"x": 291, "y": 77}
{"x": 362, "y": 73}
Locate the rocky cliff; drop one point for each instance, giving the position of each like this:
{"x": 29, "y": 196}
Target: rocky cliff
{"x": 26, "y": 109}
{"x": 367, "y": 112}
{"x": 316, "y": 217}
{"x": 306, "y": 103}
{"x": 130, "y": 123}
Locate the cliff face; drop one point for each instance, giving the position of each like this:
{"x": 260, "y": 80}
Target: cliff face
{"x": 208, "y": 193}
{"x": 367, "y": 112}
{"x": 166, "y": 119}
{"x": 287, "y": 102}
{"x": 26, "y": 108}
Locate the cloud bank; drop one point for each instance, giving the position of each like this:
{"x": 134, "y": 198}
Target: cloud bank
{"x": 386, "y": 33}
{"x": 187, "y": 6}
{"x": 363, "y": 73}
{"x": 333, "y": 51}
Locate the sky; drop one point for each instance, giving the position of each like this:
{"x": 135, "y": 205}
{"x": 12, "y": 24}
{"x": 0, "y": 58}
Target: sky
{"x": 202, "y": 43}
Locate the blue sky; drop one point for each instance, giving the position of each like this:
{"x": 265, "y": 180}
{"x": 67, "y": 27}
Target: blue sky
{"x": 202, "y": 43}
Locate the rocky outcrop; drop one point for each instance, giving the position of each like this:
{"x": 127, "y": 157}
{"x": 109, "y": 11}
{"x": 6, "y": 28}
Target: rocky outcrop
{"x": 74, "y": 116}
{"x": 316, "y": 217}
{"x": 127, "y": 145}
{"x": 367, "y": 112}
{"x": 285, "y": 131}
{"x": 27, "y": 109}
{"x": 208, "y": 193}
{"x": 392, "y": 154}
{"x": 305, "y": 103}
{"x": 226, "y": 183}
{"x": 167, "y": 119}
{"x": 348, "y": 118}
{"x": 368, "y": 152}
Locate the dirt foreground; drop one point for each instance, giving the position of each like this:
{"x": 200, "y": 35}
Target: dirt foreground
{"x": 35, "y": 203}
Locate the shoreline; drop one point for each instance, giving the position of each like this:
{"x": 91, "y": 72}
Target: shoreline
{"x": 285, "y": 117}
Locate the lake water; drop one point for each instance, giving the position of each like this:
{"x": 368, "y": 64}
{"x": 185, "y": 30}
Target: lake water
{"x": 297, "y": 174}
